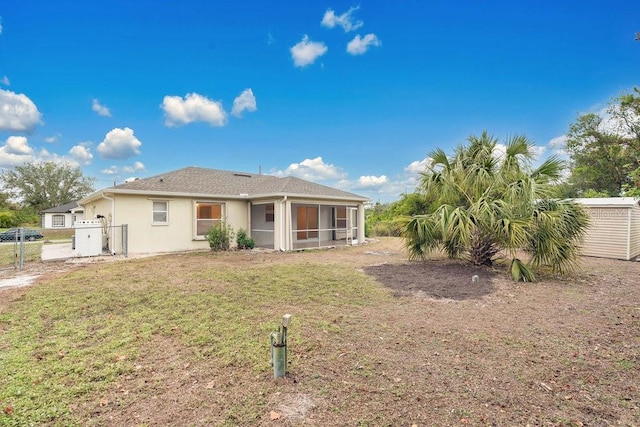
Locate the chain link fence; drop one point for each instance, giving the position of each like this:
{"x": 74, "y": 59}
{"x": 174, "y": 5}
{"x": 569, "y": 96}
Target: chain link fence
{"x": 19, "y": 247}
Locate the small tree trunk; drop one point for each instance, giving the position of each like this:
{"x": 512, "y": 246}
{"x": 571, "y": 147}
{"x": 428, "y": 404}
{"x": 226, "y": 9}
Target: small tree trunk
{"x": 482, "y": 249}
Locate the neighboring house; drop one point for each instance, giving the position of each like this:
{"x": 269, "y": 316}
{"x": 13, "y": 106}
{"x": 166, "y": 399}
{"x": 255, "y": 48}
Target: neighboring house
{"x": 615, "y": 227}
{"x": 175, "y": 210}
{"x": 62, "y": 216}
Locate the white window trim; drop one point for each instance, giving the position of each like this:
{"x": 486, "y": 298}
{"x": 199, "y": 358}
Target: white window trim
{"x": 223, "y": 210}
{"x": 153, "y": 221}
{"x": 53, "y": 216}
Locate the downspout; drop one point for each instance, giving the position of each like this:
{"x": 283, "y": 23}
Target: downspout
{"x": 113, "y": 208}
{"x": 283, "y": 221}
{"x": 113, "y": 216}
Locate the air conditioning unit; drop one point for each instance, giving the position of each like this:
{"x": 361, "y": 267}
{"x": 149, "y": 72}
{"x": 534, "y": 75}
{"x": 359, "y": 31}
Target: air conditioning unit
{"x": 88, "y": 238}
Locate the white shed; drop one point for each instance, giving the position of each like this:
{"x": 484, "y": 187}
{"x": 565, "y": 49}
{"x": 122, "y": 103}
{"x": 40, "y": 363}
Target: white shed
{"x": 615, "y": 227}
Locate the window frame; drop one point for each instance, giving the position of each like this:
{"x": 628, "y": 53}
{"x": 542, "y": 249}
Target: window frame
{"x": 269, "y": 212}
{"x": 57, "y": 216}
{"x": 154, "y": 211}
{"x": 196, "y": 211}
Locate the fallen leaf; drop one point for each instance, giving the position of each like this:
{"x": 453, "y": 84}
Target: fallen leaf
{"x": 8, "y": 410}
{"x": 210, "y": 385}
{"x": 104, "y": 401}
{"x": 275, "y": 415}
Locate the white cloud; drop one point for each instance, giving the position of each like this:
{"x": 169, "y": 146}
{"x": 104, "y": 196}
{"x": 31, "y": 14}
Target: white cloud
{"x": 112, "y": 170}
{"x": 136, "y": 167}
{"x": 558, "y": 145}
{"x": 102, "y": 110}
{"x": 312, "y": 170}
{"x": 330, "y": 20}
{"x": 81, "y": 153}
{"x": 499, "y": 151}
{"x": 16, "y": 151}
{"x": 5, "y": 81}
{"x": 193, "y": 108}
{"x": 0, "y": 25}
{"x": 119, "y": 144}
{"x": 18, "y": 145}
{"x": 53, "y": 138}
{"x": 372, "y": 181}
{"x": 558, "y": 142}
{"x": 246, "y": 101}
{"x": 359, "y": 46}
{"x": 538, "y": 151}
{"x": 115, "y": 170}
{"x": 17, "y": 112}
{"x": 306, "y": 52}
{"x": 418, "y": 166}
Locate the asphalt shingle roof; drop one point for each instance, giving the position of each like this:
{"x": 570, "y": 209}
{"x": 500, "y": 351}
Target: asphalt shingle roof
{"x": 62, "y": 208}
{"x": 214, "y": 182}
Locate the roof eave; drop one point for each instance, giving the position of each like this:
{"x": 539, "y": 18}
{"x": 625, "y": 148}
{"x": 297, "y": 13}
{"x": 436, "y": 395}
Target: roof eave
{"x": 107, "y": 192}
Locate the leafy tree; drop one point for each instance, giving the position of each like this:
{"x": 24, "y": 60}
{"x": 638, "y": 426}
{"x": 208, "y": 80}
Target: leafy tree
{"x": 605, "y": 149}
{"x": 488, "y": 204}
{"x": 46, "y": 184}
{"x": 383, "y": 219}
{"x": 4, "y": 201}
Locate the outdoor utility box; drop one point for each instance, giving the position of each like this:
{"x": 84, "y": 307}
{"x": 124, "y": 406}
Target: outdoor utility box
{"x": 88, "y": 237}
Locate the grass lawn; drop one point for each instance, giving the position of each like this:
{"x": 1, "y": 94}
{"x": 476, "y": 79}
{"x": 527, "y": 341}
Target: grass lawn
{"x": 183, "y": 340}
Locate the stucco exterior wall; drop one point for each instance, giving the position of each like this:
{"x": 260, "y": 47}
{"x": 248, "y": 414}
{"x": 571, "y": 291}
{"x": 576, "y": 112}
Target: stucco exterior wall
{"x": 177, "y": 234}
{"x": 47, "y": 220}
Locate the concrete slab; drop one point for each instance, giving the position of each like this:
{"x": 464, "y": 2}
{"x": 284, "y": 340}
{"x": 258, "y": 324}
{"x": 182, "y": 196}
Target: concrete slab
{"x": 57, "y": 251}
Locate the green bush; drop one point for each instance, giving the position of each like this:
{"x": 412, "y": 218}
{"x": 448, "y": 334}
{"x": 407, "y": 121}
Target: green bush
{"x": 8, "y": 219}
{"x": 243, "y": 241}
{"x": 220, "y": 236}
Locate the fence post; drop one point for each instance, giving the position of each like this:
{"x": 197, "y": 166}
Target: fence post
{"x": 21, "y": 248}
{"x": 125, "y": 240}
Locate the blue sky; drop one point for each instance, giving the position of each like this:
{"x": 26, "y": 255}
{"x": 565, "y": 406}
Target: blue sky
{"x": 352, "y": 95}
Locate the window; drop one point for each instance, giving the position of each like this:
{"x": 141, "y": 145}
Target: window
{"x": 268, "y": 213}
{"x": 207, "y": 214}
{"x": 160, "y": 212}
{"x": 57, "y": 221}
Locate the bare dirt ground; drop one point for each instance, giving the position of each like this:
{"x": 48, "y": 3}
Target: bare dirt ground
{"x": 446, "y": 351}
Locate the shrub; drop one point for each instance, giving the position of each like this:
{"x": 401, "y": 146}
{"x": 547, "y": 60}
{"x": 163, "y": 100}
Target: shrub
{"x": 8, "y": 219}
{"x": 219, "y": 236}
{"x": 243, "y": 241}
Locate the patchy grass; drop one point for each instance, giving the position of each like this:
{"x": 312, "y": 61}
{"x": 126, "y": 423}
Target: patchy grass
{"x": 183, "y": 340}
{"x": 70, "y": 340}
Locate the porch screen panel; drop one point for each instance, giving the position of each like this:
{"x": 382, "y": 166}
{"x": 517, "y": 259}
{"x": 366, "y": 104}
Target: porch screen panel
{"x": 307, "y": 219}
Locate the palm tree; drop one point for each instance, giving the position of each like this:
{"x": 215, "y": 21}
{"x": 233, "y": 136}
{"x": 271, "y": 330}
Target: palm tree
{"x": 492, "y": 203}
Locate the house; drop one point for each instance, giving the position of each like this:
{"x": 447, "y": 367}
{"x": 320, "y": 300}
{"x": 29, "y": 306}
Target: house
{"x": 174, "y": 211}
{"x": 63, "y": 216}
{"x": 614, "y": 231}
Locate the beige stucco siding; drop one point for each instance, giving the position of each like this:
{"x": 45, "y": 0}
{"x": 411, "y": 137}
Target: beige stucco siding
{"x": 177, "y": 234}
{"x": 608, "y": 233}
